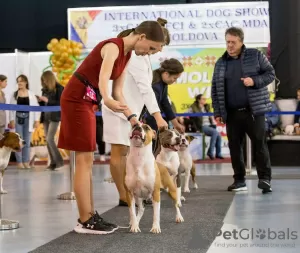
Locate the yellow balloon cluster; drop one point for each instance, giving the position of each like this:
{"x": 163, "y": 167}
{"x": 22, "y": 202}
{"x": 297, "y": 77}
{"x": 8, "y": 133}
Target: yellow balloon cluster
{"x": 64, "y": 58}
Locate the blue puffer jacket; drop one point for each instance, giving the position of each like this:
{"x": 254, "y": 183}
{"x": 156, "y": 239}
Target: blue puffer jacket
{"x": 255, "y": 65}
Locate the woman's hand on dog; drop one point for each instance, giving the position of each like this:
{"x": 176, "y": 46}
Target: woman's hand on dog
{"x": 161, "y": 123}
{"x": 134, "y": 121}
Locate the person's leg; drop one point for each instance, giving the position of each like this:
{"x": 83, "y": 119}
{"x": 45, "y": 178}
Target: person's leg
{"x": 117, "y": 168}
{"x": 52, "y": 163}
{"x": 82, "y": 184}
{"x": 236, "y": 134}
{"x": 209, "y": 131}
{"x": 99, "y": 137}
{"x": 26, "y": 148}
{"x": 19, "y": 130}
{"x": 219, "y": 146}
{"x": 256, "y": 132}
{"x": 53, "y": 150}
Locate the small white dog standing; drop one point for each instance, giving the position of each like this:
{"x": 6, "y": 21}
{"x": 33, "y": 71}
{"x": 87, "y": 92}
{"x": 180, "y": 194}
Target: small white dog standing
{"x": 143, "y": 178}
{"x": 187, "y": 165}
{"x": 9, "y": 142}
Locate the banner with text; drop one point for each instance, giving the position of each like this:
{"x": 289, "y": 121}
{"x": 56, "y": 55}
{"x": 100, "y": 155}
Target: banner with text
{"x": 189, "y": 24}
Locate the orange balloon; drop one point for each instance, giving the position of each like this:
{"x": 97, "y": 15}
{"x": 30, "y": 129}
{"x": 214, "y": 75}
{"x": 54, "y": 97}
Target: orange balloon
{"x": 64, "y": 55}
{"x": 70, "y": 60}
{"x": 49, "y": 47}
{"x": 54, "y": 41}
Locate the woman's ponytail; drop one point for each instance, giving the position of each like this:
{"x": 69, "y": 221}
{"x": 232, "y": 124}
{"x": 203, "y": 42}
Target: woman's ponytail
{"x": 125, "y": 33}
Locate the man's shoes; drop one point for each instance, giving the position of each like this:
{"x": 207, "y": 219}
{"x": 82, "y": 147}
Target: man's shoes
{"x": 264, "y": 185}
{"x": 237, "y": 186}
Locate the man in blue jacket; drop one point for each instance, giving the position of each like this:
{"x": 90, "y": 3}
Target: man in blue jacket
{"x": 240, "y": 99}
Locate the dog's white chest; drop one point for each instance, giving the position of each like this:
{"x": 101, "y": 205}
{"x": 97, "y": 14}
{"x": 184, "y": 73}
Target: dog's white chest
{"x": 140, "y": 175}
{"x": 169, "y": 160}
{"x": 186, "y": 161}
{"x": 4, "y": 157}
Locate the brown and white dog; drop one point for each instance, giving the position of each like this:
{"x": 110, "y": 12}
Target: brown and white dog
{"x": 168, "y": 145}
{"x": 143, "y": 178}
{"x": 187, "y": 165}
{"x": 9, "y": 142}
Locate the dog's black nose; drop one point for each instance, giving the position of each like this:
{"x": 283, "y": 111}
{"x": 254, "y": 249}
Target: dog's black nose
{"x": 183, "y": 140}
{"x": 24, "y": 142}
{"x": 138, "y": 128}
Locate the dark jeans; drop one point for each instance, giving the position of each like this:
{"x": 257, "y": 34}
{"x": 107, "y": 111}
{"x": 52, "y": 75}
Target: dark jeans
{"x": 99, "y": 135}
{"x": 238, "y": 124}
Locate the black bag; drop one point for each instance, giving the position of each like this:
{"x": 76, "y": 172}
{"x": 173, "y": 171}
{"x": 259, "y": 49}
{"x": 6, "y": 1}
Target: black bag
{"x": 21, "y": 116}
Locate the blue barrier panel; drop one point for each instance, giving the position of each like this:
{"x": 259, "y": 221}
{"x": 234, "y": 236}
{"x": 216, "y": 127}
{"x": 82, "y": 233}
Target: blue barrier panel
{"x": 29, "y": 108}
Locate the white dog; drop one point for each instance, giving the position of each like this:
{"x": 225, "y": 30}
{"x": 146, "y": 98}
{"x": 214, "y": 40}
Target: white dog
{"x": 143, "y": 178}
{"x": 187, "y": 165}
{"x": 9, "y": 142}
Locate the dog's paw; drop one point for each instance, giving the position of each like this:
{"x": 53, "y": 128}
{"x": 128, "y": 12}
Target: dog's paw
{"x": 135, "y": 228}
{"x": 3, "y": 192}
{"x": 182, "y": 198}
{"x": 186, "y": 190}
{"x": 179, "y": 218}
{"x": 155, "y": 229}
{"x": 179, "y": 204}
{"x": 195, "y": 186}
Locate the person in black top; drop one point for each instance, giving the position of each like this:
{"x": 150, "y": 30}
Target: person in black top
{"x": 167, "y": 74}
{"x": 23, "y": 122}
{"x": 51, "y": 94}
{"x": 240, "y": 99}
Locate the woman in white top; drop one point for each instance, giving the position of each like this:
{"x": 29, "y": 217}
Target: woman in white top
{"x": 24, "y": 122}
{"x": 137, "y": 92}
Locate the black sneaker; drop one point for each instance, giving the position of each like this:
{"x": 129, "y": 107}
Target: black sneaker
{"x": 237, "y": 187}
{"x": 265, "y": 185}
{"x": 113, "y": 226}
{"x": 93, "y": 226}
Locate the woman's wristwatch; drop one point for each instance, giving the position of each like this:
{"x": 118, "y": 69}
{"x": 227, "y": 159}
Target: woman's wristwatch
{"x": 131, "y": 116}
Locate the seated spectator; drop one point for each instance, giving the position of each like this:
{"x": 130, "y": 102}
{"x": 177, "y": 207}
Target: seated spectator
{"x": 272, "y": 120}
{"x": 206, "y": 125}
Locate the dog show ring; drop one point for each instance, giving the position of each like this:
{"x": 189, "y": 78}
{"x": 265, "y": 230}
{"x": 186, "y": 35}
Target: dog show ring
{"x": 70, "y": 195}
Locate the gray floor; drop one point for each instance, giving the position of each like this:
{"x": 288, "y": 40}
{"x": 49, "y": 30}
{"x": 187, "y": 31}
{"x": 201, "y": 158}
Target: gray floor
{"x": 32, "y": 201}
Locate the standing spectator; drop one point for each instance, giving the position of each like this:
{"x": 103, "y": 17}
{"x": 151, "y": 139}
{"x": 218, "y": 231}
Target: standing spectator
{"x": 3, "y": 84}
{"x": 51, "y": 94}
{"x": 23, "y": 121}
{"x": 241, "y": 99}
{"x": 206, "y": 125}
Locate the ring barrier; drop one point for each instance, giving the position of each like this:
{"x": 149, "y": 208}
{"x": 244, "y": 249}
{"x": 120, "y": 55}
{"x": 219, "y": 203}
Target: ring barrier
{"x": 12, "y": 224}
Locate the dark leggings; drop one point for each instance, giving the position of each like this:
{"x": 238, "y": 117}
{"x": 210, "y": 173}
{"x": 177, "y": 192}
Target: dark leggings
{"x": 99, "y": 135}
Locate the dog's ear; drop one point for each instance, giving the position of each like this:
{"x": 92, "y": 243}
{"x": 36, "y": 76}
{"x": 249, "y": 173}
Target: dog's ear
{"x": 191, "y": 138}
{"x": 162, "y": 129}
{"x": 154, "y": 136}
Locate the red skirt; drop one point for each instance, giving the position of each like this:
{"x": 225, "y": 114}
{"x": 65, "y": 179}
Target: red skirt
{"x": 78, "y": 120}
